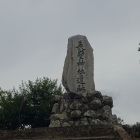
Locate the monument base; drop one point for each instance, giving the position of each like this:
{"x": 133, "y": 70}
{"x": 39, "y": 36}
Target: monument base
{"x": 73, "y": 109}
{"x": 93, "y": 132}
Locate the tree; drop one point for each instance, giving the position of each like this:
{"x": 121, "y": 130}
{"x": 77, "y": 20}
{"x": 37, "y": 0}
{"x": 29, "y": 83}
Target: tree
{"x": 120, "y": 121}
{"x": 139, "y": 47}
{"x": 37, "y": 105}
{"x": 139, "y": 50}
{"x": 31, "y": 105}
{"x": 9, "y": 108}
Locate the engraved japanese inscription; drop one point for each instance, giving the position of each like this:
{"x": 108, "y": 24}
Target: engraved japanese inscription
{"x": 80, "y": 67}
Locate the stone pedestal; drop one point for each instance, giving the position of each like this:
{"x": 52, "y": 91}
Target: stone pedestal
{"x": 73, "y": 109}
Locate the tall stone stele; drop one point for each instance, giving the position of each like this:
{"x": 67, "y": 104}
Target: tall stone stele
{"x": 78, "y": 71}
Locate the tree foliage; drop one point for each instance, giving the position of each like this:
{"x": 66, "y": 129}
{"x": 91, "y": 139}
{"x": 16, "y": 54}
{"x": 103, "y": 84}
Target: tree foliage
{"x": 120, "y": 121}
{"x": 31, "y": 105}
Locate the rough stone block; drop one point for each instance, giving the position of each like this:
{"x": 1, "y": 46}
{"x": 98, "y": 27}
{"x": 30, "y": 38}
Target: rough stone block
{"x": 90, "y": 113}
{"x": 107, "y": 100}
{"x": 95, "y": 104}
{"x": 76, "y": 105}
{"x": 55, "y": 108}
{"x": 55, "y": 123}
{"x": 76, "y": 114}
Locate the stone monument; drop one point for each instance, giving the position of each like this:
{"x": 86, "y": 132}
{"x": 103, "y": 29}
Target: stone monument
{"x": 82, "y": 104}
{"x": 78, "y": 67}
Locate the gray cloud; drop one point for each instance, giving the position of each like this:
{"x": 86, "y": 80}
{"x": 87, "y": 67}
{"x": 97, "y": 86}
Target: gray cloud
{"x": 33, "y": 43}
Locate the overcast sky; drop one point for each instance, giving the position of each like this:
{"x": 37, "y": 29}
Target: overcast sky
{"x": 34, "y": 36}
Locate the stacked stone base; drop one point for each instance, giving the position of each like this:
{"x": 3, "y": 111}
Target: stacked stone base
{"x": 73, "y": 109}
